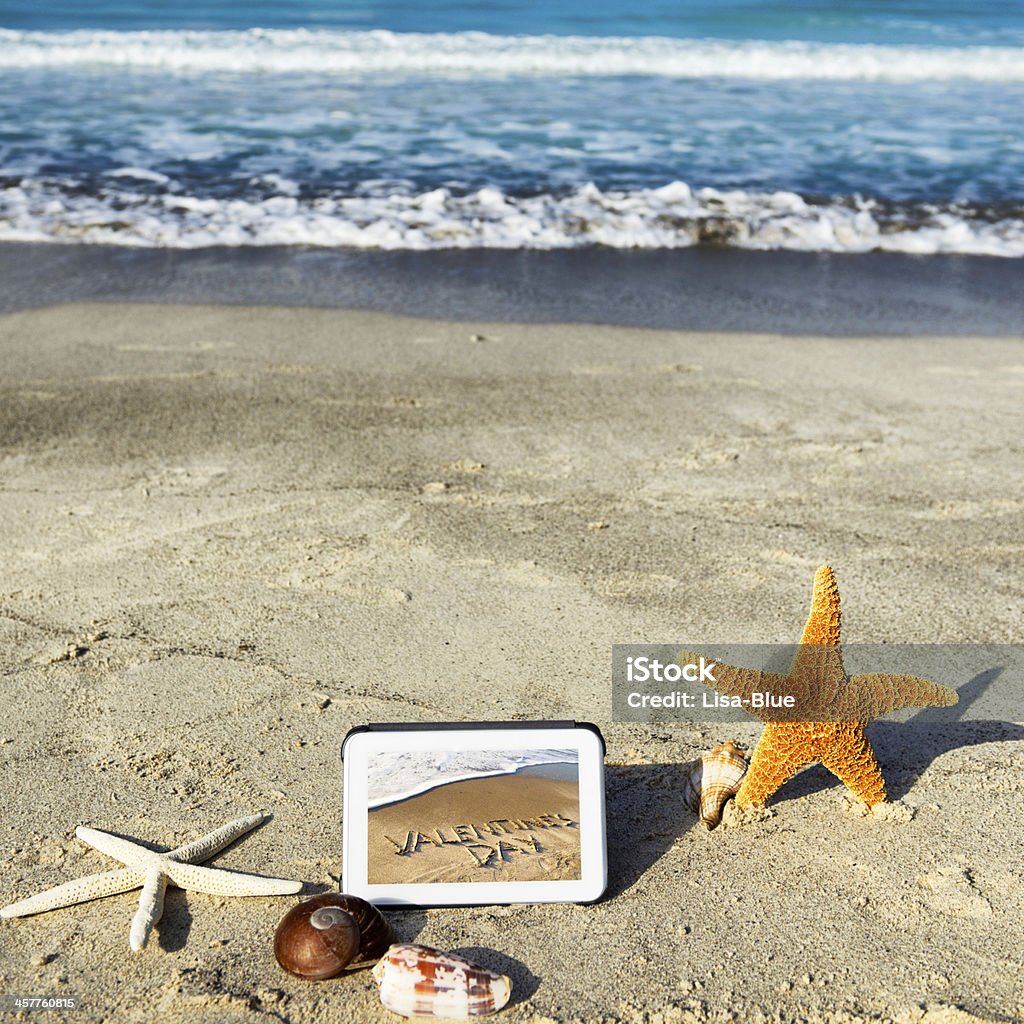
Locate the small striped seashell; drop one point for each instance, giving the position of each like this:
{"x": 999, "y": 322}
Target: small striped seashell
{"x": 417, "y": 981}
{"x": 712, "y": 780}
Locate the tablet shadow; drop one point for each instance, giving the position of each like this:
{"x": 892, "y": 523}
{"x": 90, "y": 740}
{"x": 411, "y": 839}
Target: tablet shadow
{"x": 646, "y": 815}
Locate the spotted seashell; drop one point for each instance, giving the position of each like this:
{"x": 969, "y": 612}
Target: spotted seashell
{"x": 713, "y": 779}
{"x": 417, "y": 981}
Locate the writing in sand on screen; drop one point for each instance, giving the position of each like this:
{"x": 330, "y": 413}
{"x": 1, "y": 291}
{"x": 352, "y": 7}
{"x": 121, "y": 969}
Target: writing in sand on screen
{"x": 473, "y": 816}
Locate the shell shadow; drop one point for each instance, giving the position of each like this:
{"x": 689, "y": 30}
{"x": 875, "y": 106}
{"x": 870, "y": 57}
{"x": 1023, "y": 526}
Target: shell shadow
{"x": 645, "y": 815}
{"x": 524, "y": 982}
{"x": 406, "y": 922}
{"x": 906, "y": 749}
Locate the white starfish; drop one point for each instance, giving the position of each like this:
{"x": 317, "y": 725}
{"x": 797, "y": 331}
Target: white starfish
{"x": 152, "y": 871}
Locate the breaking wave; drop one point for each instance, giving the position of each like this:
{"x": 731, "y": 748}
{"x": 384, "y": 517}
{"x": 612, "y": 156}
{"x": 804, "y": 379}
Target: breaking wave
{"x": 479, "y": 54}
{"x": 397, "y": 775}
{"x": 670, "y": 217}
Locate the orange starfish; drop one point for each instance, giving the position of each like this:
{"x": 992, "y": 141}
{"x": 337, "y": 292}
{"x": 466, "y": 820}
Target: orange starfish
{"x": 840, "y": 706}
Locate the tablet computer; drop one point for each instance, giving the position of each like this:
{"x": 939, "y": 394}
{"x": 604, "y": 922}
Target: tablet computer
{"x": 457, "y": 814}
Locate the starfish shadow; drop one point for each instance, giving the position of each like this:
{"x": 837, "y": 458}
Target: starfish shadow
{"x": 173, "y": 928}
{"x": 524, "y": 982}
{"x": 911, "y": 746}
{"x": 163, "y": 848}
{"x": 813, "y": 779}
{"x": 145, "y": 843}
{"x": 645, "y": 815}
{"x": 906, "y": 749}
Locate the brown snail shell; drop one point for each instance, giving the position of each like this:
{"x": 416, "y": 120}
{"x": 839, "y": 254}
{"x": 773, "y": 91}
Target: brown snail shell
{"x": 375, "y": 935}
{"x": 328, "y": 934}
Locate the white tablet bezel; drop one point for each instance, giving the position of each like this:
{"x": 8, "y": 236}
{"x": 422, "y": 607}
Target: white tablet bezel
{"x": 359, "y": 745}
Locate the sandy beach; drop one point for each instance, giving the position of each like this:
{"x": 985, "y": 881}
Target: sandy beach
{"x": 508, "y": 828}
{"x": 231, "y": 533}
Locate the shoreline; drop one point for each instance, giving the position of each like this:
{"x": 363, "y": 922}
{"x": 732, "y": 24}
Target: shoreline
{"x": 542, "y": 769}
{"x": 701, "y": 289}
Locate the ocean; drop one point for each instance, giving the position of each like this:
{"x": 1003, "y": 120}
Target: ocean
{"x": 803, "y": 125}
{"x": 398, "y": 775}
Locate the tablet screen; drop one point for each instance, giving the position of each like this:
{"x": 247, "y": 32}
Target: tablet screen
{"x": 487, "y": 815}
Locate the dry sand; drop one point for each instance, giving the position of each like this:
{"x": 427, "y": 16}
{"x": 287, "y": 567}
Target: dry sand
{"x": 473, "y": 831}
{"x": 230, "y": 534}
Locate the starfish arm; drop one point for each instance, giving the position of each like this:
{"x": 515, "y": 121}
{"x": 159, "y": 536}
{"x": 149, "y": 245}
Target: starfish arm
{"x": 92, "y": 887}
{"x": 737, "y": 682}
{"x": 124, "y": 850}
{"x": 213, "y": 842}
{"x": 870, "y": 696}
{"x": 151, "y": 907}
{"x": 850, "y": 758}
{"x": 823, "y": 622}
{"x": 817, "y": 680}
{"x": 819, "y": 658}
{"x": 218, "y": 882}
{"x": 780, "y": 753}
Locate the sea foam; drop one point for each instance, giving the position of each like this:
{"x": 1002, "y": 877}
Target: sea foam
{"x": 398, "y": 775}
{"x": 479, "y": 54}
{"x": 671, "y": 217}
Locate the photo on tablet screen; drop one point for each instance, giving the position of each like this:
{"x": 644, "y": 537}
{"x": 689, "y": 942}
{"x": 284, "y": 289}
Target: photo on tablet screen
{"x": 473, "y": 816}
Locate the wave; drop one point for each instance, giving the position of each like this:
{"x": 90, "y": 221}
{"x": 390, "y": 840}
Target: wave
{"x": 399, "y": 775}
{"x": 479, "y": 54}
{"x": 674, "y": 216}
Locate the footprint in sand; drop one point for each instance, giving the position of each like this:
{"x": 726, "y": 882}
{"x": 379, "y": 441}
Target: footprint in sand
{"x": 952, "y": 890}
{"x": 189, "y": 477}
